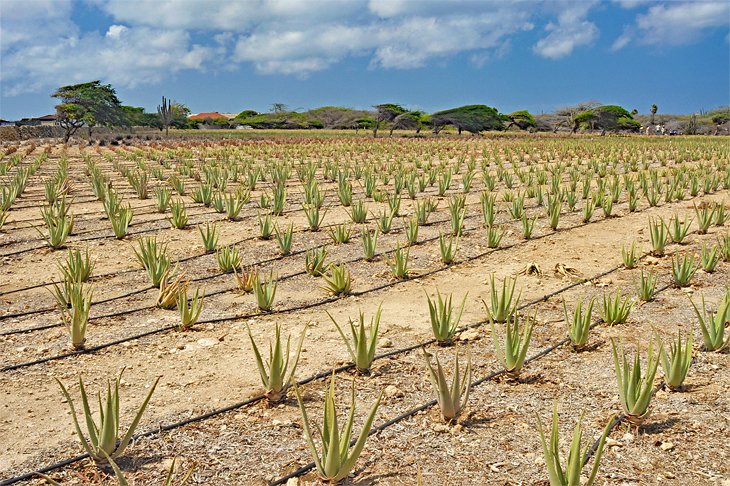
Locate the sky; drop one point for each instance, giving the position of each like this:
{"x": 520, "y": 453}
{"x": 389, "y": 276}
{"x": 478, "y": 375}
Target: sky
{"x": 232, "y": 55}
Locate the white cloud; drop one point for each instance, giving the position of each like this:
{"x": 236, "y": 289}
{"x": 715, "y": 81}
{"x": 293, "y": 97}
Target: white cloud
{"x": 675, "y": 23}
{"x": 572, "y": 30}
{"x": 42, "y": 47}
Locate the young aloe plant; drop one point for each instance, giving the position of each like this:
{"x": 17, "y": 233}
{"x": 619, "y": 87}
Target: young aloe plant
{"x": 315, "y": 261}
{"x": 713, "y": 325}
{"x": 77, "y": 267}
{"x": 189, "y": 310}
{"x": 528, "y": 226}
{"x": 616, "y": 310}
{"x": 709, "y": 258}
{"x": 676, "y": 363}
{"x": 245, "y": 280}
{"x": 448, "y": 249}
{"x": 228, "y": 259}
{"x": 266, "y": 227}
{"x": 451, "y": 399}
{"x": 170, "y": 289}
{"x": 399, "y": 263}
{"x": 411, "y": 229}
{"x": 705, "y": 216}
{"x": 513, "y": 351}
{"x": 646, "y": 287}
{"x": 284, "y": 239}
{"x": 338, "y": 282}
{"x": 120, "y": 221}
{"x": 494, "y": 236}
{"x": 369, "y": 243}
{"x": 364, "y": 341}
{"x": 265, "y": 291}
{"x": 683, "y": 269}
{"x": 635, "y": 390}
{"x": 104, "y": 440}
{"x": 154, "y": 259}
{"x": 76, "y": 316}
{"x": 630, "y": 257}
{"x": 209, "y": 234}
{"x": 179, "y": 214}
{"x": 443, "y": 320}
{"x": 658, "y": 235}
{"x": 340, "y": 234}
{"x": 678, "y": 229}
{"x": 337, "y": 458}
{"x": 276, "y": 375}
{"x": 579, "y": 325}
{"x": 502, "y": 306}
{"x": 571, "y": 475}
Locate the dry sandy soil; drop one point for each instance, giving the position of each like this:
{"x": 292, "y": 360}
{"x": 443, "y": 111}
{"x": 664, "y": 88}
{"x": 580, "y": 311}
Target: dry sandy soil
{"x": 685, "y": 441}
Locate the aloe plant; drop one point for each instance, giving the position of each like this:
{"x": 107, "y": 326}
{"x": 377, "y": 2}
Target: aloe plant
{"x": 340, "y": 234}
{"x": 658, "y": 236}
{"x": 646, "y": 286}
{"x": 528, "y": 226}
{"x": 104, "y": 439}
{"x": 276, "y": 373}
{"x": 209, "y": 234}
{"x": 411, "y": 229}
{"x": 337, "y": 457}
{"x": 502, "y": 305}
{"x": 364, "y": 340}
{"x": 616, "y": 309}
{"x": 709, "y": 258}
{"x": 683, "y": 269}
{"x": 162, "y": 199}
{"x": 448, "y": 249}
{"x": 678, "y": 229}
{"x": 189, "y": 309}
{"x": 399, "y": 263}
{"x": 266, "y": 227}
{"x": 579, "y": 325}
{"x": 154, "y": 258}
{"x": 120, "y": 221}
{"x": 314, "y": 216}
{"x": 76, "y": 314}
{"x": 228, "y": 259}
{"x": 170, "y": 289}
{"x": 705, "y": 216}
{"x": 444, "y": 322}
{"x": 338, "y": 282}
{"x": 314, "y": 261}
{"x": 452, "y": 399}
{"x": 676, "y": 362}
{"x": 635, "y": 389}
{"x": 513, "y": 351}
{"x": 713, "y": 325}
{"x": 630, "y": 257}
{"x": 358, "y": 212}
{"x": 78, "y": 267}
{"x": 245, "y": 281}
{"x": 179, "y": 214}
{"x": 369, "y": 243}
{"x": 571, "y": 474}
{"x": 284, "y": 238}
{"x": 265, "y": 291}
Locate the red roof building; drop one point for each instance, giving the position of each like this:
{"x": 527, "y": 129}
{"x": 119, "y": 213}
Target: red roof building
{"x": 213, "y": 115}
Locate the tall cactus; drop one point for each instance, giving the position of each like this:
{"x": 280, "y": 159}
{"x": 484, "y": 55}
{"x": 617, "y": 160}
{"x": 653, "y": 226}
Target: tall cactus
{"x": 165, "y": 113}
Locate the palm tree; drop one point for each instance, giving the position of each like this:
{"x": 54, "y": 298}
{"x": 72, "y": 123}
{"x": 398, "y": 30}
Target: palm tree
{"x": 653, "y": 112}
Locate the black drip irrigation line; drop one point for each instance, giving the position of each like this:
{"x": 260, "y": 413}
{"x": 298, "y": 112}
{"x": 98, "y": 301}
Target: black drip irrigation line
{"x": 318, "y": 376}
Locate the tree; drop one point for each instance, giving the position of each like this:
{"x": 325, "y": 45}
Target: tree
{"x": 472, "y": 118}
{"x": 521, "y": 119}
{"x": 606, "y": 118}
{"x": 164, "y": 111}
{"x": 279, "y": 108}
{"x": 653, "y": 113}
{"x": 567, "y": 114}
{"x": 407, "y": 121}
{"x": 89, "y": 104}
{"x": 386, "y": 112}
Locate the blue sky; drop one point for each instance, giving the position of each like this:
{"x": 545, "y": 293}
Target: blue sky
{"x": 232, "y": 55}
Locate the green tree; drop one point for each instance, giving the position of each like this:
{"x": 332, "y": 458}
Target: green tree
{"x": 91, "y": 104}
{"x": 606, "y": 118}
{"x": 654, "y": 109}
{"x": 472, "y": 118}
{"x": 386, "y": 112}
{"x": 521, "y": 119}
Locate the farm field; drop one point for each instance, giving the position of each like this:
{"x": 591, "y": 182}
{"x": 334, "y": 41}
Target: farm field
{"x": 557, "y": 217}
